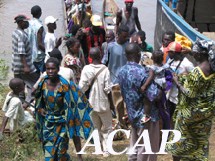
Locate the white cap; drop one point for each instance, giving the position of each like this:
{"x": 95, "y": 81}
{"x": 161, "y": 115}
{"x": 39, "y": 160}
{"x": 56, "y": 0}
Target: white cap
{"x": 96, "y": 20}
{"x": 50, "y": 19}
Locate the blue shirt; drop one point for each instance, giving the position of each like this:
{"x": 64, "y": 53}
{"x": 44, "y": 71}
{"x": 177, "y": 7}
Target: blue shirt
{"x": 116, "y": 60}
{"x": 37, "y": 54}
{"x": 105, "y": 47}
{"x": 131, "y": 77}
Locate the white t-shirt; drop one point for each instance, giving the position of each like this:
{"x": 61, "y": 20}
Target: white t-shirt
{"x": 50, "y": 43}
{"x": 185, "y": 67}
{"x": 14, "y": 111}
{"x": 159, "y": 72}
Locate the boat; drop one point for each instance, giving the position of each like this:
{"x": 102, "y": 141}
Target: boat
{"x": 110, "y": 9}
{"x": 167, "y": 20}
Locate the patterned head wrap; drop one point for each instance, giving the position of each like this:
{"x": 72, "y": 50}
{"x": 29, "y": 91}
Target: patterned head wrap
{"x": 206, "y": 47}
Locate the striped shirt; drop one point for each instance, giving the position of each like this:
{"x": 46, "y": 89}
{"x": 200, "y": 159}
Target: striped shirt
{"x": 21, "y": 46}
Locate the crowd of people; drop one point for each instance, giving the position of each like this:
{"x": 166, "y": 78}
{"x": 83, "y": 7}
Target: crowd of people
{"x": 106, "y": 74}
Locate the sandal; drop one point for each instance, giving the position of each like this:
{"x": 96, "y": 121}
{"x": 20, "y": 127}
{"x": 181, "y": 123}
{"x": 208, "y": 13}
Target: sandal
{"x": 145, "y": 119}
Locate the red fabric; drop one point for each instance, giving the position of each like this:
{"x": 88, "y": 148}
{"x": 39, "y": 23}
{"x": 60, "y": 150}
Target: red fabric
{"x": 129, "y": 1}
{"x": 174, "y": 46}
{"x": 97, "y": 39}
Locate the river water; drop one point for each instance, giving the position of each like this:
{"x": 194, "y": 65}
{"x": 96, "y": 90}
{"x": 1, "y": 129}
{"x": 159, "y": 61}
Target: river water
{"x": 10, "y": 8}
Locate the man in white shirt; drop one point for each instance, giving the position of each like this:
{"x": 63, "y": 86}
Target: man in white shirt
{"x": 51, "y": 41}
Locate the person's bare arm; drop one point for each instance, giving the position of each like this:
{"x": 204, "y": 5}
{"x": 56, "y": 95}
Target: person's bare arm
{"x": 59, "y": 42}
{"x": 34, "y": 88}
{"x": 137, "y": 19}
{"x": 148, "y": 81}
{"x": 40, "y": 39}
{"x": 118, "y": 20}
{"x": 24, "y": 62}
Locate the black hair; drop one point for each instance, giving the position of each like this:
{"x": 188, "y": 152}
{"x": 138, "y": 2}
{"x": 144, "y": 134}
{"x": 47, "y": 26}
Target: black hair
{"x": 142, "y": 35}
{"x": 55, "y": 53}
{"x": 157, "y": 57}
{"x": 87, "y": 23}
{"x": 71, "y": 41}
{"x": 132, "y": 50}
{"x": 95, "y": 53}
{"x": 110, "y": 31}
{"x": 123, "y": 28}
{"x": 170, "y": 33}
{"x": 54, "y": 61}
{"x": 74, "y": 29}
{"x": 36, "y": 11}
{"x": 15, "y": 82}
{"x": 134, "y": 34}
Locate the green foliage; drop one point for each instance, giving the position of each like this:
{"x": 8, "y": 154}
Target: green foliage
{"x": 3, "y": 69}
{"x": 3, "y": 92}
{"x": 21, "y": 145}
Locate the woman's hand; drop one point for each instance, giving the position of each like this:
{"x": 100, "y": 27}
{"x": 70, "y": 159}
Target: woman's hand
{"x": 175, "y": 78}
{"x": 42, "y": 112}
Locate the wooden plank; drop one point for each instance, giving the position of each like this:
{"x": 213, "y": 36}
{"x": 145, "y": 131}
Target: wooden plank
{"x": 210, "y": 35}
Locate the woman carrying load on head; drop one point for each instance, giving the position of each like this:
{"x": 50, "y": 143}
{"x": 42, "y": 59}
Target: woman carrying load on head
{"x": 196, "y": 106}
{"x": 62, "y": 112}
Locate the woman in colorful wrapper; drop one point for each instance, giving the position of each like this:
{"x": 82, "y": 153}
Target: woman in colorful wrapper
{"x": 196, "y": 106}
{"x": 62, "y": 112}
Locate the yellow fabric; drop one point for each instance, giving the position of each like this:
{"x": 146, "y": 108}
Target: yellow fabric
{"x": 76, "y": 20}
{"x": 185, "y": 42}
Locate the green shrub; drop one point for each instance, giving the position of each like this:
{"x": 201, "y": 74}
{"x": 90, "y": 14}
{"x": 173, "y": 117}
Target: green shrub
{"x": 22, "y": 145}
{"x": 3, "y": 69}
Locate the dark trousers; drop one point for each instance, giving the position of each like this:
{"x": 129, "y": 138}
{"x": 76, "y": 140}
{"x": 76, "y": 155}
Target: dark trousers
{"x": 172, "y": 107}
{"x": 40, "y": 66}
{"x": 164, "y": 111}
